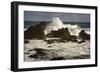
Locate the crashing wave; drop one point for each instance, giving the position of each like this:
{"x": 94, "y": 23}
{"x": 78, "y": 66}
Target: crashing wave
{"x": 58, "y": 24}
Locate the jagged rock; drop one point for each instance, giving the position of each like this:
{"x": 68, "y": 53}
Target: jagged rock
{"x": 84, "y": 35}
{"x": 64, "y": 34}
{"x": 35, "y": 32}
{"x": 61, "y": 33}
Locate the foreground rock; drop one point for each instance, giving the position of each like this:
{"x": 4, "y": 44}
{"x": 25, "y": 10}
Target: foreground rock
{"x": 83, "y": 35}
{"x": 35, "y": 32}
{"x": 56, "y": 54}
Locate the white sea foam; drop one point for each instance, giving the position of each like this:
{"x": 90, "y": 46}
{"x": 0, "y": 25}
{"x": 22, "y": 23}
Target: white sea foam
{"x": 58, "y": 24}
{"x": 69, "y": 49}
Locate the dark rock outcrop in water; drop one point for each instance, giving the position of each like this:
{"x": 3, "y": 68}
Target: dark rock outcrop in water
{"x": 64, "y": 34}
{"x": 26, "y": 41}
{"x": 35, "y": 32}
{"x": 58, "y": 58}
{"x": 61, "y": 33}
{"x": 73, "y": 38}
{"x": 84, "y": 35}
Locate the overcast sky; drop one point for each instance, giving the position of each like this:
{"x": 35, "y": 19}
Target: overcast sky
{"x": 47, "y": 16}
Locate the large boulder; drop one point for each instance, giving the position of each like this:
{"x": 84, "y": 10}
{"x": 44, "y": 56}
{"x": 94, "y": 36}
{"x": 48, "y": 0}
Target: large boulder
{"x": 35, "y": 32}
{"x": 61, "y": 33}
{"x": 64, "y": 34}
{"x": 83, "y": 35}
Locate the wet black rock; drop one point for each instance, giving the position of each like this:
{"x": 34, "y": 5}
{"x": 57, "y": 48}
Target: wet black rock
{"x": 38, "y": 49}
{"x": 49, "y": 46}
{"x": 35, "y": 32}
{"x": 26, "y": 41}
{"x": 49, "y": 41}
{"x": 83, "y": 35}
{"x": 61, "y": 33}
{"x": 58, "y": 58}
{"x": 30, "y": 50}
{"x": 64, "y": 34}
{"x": 33, "y": 56}
{"x": 73, "y": 38}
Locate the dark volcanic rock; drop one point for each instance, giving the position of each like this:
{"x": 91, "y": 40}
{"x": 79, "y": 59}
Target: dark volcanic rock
{"x": 49, "y": 46}
{"x": 58, "y": 58}
{"x": 30, "y": 50}
{"x": 26, "y": 41}
{"x": 84, "y": 35}
{"x": 61, "y": 33}
{"x": 49, "y": 41}
{"x": 73, "y": 38}
{"x": 39, "y": 49}
{"x": 35, "y": 32}
{"x": 64, "y": 34}
{"x": 33, "y": 56}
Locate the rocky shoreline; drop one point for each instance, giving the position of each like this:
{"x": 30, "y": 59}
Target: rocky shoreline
{"x": 57, "y": 45}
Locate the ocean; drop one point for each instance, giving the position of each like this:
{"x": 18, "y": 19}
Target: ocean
{"x": 81, "y": 24}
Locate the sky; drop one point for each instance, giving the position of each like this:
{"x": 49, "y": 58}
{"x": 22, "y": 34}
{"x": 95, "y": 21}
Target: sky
{"x": 47, "y": 16}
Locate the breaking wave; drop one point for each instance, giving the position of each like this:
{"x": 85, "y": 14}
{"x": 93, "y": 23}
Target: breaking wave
{"x": 58, "y": 24}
